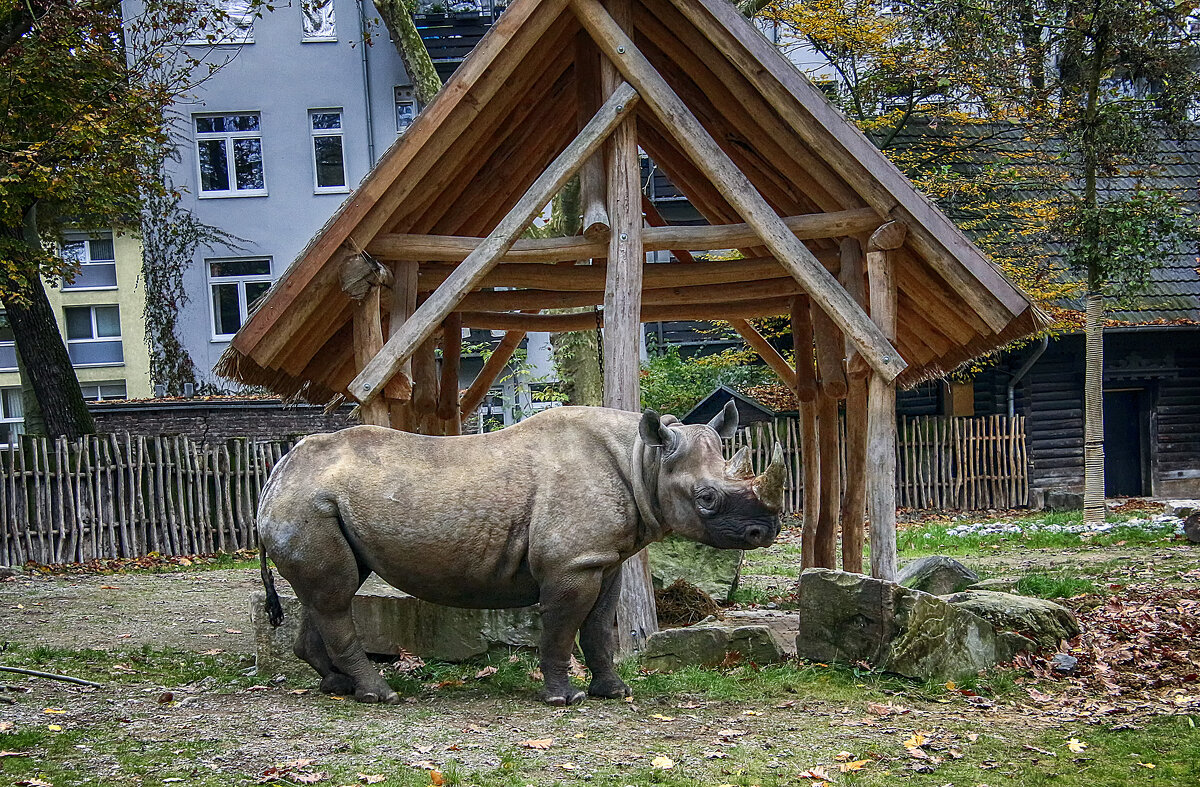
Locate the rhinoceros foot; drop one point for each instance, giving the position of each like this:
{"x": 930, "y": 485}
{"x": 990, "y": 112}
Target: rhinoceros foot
{"x": 613, "y": 689}
{"x": 573, "y": 697}
{"x": 337, "y": 683}
{"x": 390, "y": 698}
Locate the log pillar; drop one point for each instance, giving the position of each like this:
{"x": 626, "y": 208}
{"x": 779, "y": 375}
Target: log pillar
{"x": 881, "y": 405}
{"x": 368, "y": 340}
{"x": 447, "y": 405}
{"x": 831, "y": 389}
{"x": 854, "y": 489}
{"x": 810, "y": 455}
{"x": 404, "y": 303}
{"x": 637, "y": 615}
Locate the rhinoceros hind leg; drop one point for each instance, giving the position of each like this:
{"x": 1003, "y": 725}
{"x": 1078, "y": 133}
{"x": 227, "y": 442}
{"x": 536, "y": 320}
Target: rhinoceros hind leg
{"x": 598, "y": 641}
{"x": 310, "y": 647}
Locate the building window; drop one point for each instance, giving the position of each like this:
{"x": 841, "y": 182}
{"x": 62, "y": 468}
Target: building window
{"x": 229, "y": 153}
{"x": 99, "y": 392}
{"x": 329, "y": 165}
{"x": 95, "y": 258}
{"x": 236, "y": 285}
{"x": 406, "y": 108}
{"x": 12, "y": 416}
{"x": 94, "y": 335}
{"x": 317, "y": 16}
{"x": 8, "y": 346}
{"x": 224, "y": 22}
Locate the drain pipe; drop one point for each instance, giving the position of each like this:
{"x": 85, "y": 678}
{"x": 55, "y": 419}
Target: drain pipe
{"x": 366, "y": 76}
{"x": 1024, "y": 370}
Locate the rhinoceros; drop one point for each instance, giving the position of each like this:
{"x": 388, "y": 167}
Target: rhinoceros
{"x": 543, "y": 512}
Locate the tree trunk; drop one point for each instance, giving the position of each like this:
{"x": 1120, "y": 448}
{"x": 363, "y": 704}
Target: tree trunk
{"x": 397, "y": 17}
{"x": 40, "y": 344}
{"x": 1093, "y": 408}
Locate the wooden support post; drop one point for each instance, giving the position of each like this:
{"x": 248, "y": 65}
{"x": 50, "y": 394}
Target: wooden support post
{"x": 447, "y": 407}
{"x": 398, "y": 391}
{"x": 881, "y": 408}
{"x": 810, "y": 454}
{"x": 368, "y": 340}
{"x": 425, "y": 385}
{"x": 592, "y": 189}
{"x": 706, "y": 154}
{"x": 466, "y": 277}
{"x": 802, "y": 348}
{"x": 830, "y": 363}
{"x": 488, "y": 374}
{"x": 637, "y": 615}
{"x": 854, "y": 487}
{"x": 825, "y": 544}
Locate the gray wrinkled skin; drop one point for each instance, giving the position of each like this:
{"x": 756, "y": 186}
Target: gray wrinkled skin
{"x": 542, "y": 512}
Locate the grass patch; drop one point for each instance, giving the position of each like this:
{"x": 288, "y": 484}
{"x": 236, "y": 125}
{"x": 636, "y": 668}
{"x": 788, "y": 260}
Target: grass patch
{"x": 934, "y": 538}
{"x": 1054, "y": 584}
{"x": 162, "y": 666}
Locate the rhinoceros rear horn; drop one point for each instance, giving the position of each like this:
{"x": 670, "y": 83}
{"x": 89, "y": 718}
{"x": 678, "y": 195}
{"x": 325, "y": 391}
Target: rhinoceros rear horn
{"x": 738, "y": 467}
{"x": 768, "y": 487}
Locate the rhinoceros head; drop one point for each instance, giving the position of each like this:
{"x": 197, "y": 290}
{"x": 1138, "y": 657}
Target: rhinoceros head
{"x": 702, "y": 496}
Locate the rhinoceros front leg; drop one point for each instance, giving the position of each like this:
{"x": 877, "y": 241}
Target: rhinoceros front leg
{"x": 565, "y": 602}
{"x": 598, "y": 640}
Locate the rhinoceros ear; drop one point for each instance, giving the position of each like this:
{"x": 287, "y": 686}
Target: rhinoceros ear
{"x": 726, "y": 421}
{"x": 655, "y": 431}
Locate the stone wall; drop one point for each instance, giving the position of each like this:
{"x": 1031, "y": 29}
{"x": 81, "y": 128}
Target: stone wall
{"x": 217, "y": 419}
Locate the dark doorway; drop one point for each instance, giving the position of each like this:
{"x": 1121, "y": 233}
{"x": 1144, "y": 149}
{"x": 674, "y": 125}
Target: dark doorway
{"x": 1123, "y": 420}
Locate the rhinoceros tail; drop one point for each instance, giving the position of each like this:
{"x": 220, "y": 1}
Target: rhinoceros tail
{"x": 274, "y": 608}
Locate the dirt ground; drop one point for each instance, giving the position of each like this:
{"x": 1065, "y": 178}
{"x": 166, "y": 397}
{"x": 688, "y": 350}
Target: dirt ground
{"x": 219, "y": 731}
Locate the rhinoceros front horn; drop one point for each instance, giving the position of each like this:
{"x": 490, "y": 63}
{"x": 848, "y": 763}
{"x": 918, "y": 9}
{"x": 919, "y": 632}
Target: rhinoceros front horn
{"x": 768, "y": 487}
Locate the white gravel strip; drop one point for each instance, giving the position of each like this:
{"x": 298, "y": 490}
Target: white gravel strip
{"x": 1156, "y": 523}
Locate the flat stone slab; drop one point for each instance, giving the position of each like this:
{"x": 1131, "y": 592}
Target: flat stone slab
{"x": 712, "y": 644}
{"x": 389, "y": 620}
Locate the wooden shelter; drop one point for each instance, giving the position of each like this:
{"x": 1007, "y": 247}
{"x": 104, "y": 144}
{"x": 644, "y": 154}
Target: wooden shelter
{"x": 879, "y": 283}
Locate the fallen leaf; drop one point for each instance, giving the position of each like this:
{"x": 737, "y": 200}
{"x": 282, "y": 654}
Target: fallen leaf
{"x": 1076, "y": 745}
{"x": 33, "y": 783}
{"x": 917, "y": 753}
{"x": 916, "y": 740}
{"x": 662, "y": 763}
{"x": 233, "y": 631}
{"x": 751, "y": 713}
{"x": 715, "y": 755}
{"x": 166, "y": 697}
{"x": 661, "y": 717}
{"x": 436, "y": 778}
{"x": 425, "y": 765}
{"x": 567, "y": 766}
{"x": 843, "y": 756}
{"x": 815, "y": 773}
{"x": 213, "y": 652}
{"x": 536, "y": 675}
{"x": 370, "y": 778}
{"x": 1039, "y": 696}
{"x": 54, "y": 710}
{"x": 950, "y": 685}
{"x": 298, "y": 692}
{"x": 537, "y": 743}
{"x": 486, "y": 672}
{"x": 1143, "y": 764}
{"x": 5, "y": 726}
{"x": 25, "y": 754}
{"x": 857, "y": 765}
{"x": 54, "y": 727}
{"x": 731, "y": 733}
{"x": 309, "y": 778}
{"x": 109, "y": 587}
{"x": 972, "y": 736}
{"x": 452, "y": 682}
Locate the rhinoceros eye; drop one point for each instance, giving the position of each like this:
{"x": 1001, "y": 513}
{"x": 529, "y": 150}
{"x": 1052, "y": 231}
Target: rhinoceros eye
{"x": 707, "y": 499}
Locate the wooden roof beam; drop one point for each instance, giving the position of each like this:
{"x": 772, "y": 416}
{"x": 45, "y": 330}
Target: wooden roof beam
{"x": 737, "y": 188}
{"x": 583, "y": 321}
{"x": 466, "y": 277}
{"x": 507, "y": 300}
{"x": 453, "y": 248}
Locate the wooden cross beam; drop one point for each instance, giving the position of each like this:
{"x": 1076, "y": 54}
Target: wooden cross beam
{"x": 466, "y": 277}
{"x": 706, "y": 154}
{"x": 455, "y": 248}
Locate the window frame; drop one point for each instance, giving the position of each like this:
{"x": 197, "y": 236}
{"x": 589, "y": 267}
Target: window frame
{"x": 312, "y": 39}
{"x": 223, "y": 33}
{"x": 340, "y": 133}
{"x": 95, "y": 338}
{"x": 241, "y": 282}
{"x": 6, "y": 343}
{"x": 100, "y": 397}
{"x": 407, "y": 95}
{"x": 86, "y": 239}
{"x": 227, "y": 138}
{"x": 6, "y": 418}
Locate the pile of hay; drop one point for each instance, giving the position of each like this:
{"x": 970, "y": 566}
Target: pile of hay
{"x": 683, "y": 604}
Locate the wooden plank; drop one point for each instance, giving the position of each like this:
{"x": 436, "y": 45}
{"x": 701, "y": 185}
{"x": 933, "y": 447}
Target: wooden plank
{"x": 505, "y": 300}
{"x": 828, "y": 444}
{"x": 447, "y": 407}
{"x": 735, "y": 187}
{"x": 856, "y": 159}
{"x": 854, "y": 490}
{"x": 513, "y": 321}
{"x": 766, "y": 351}
{"x": 831, "y": 367}
{"x": 802, "y": 343}
{"x": 368, "y": 341}
{"x": 881, "y": 425}
{"x": 466, "y": 277}
{"x": 455, "y": 248}
{"x": 593, "y": 188}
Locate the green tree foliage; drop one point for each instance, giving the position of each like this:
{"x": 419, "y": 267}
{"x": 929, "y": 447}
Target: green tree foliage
{"x": 674, "y": 384}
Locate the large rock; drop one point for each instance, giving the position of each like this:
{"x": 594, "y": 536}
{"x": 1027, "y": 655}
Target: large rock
{"x": 1044, "y": 622}
{"x": 708, "y": 645}
{"x": 852, "y": 618}
{"x": 1191, "y": 527}
{"x": 1063, "y": 500}
{"x": 715, "y": 571}
{"x": 937, "y": 574}
{"x": 1181, "y": 508}
{"x": 389, "y": 621}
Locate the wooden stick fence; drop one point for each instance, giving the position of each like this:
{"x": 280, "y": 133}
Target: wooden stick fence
{"x": 108, "y": 496}
{"x": 962, "y": 463}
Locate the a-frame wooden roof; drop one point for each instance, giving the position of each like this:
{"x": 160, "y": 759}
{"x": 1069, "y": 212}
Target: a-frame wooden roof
{"x": 513, "y": 106}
